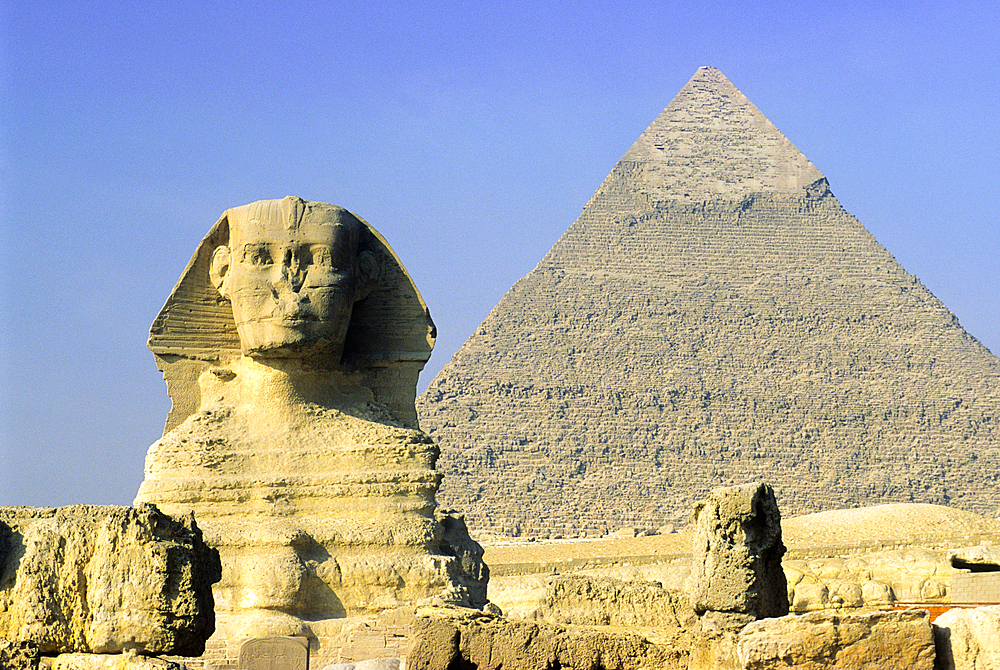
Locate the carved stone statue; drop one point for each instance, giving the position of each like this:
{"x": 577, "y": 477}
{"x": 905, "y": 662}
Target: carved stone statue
{"x": 291, "y": 347}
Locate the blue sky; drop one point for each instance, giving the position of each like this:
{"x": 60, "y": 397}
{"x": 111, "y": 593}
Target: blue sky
{"x": 470, "y": 134}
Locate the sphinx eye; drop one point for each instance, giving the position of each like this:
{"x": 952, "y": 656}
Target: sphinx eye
{"x": 257, "y": 254}
{"x": 321, "y": 255}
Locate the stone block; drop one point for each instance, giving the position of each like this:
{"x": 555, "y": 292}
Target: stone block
{"x": 884, "y": 640}
{"x": 275, "y": 653}
{"x": 103, "y": 579}
{"x": 109, "y": 662}
{"x": 443, "y": 639}
{"x": 737, "y": 552}
{"x": 977, "y": 559}
{"x": 968, "y": 639}
{"x": 603, "y": 601}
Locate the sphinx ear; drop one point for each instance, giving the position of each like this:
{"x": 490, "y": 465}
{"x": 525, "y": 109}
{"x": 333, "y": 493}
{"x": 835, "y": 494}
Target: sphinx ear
{"x": 368, "y": 271}
{"x": 218, "y": 270}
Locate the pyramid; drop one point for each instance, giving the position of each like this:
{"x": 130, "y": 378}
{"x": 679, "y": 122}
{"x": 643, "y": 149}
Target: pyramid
{"x": 713, "y": 317}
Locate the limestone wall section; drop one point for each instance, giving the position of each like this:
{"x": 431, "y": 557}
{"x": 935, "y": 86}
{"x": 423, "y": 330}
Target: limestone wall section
{"x": 976, "y": 587}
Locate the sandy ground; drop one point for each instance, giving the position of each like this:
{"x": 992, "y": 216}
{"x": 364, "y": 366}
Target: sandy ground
{"x": 896, "y": 523}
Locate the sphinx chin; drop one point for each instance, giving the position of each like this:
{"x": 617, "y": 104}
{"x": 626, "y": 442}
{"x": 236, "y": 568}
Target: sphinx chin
{"x": 283, "y": 340}
{"x": 294, "y": 348}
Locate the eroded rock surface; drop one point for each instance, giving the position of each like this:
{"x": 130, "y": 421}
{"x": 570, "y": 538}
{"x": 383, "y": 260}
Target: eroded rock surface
{"x": 104, "y": 579}
{"x": 968, "y": 639}
{"x": 884, "y": 640}
{"x": 977, "y": 559}
{"x": 737, "y": 552}
{"x": 110, "y": 662}
{"x": 448, "y": 639}
{"x": 876, "y": 579}
{"x": 19, "y": 655}
{"x": 602, "y": 601}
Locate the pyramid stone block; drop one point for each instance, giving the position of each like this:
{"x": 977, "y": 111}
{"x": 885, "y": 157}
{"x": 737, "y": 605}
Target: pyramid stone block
{"x": 713, "y": 317}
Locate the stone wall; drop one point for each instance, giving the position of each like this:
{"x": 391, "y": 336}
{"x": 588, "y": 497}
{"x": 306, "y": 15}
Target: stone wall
{"x": 976, "y": 587}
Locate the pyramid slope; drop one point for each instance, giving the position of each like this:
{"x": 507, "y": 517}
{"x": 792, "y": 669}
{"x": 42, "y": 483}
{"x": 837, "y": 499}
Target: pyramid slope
{"x": 713, "y": 317}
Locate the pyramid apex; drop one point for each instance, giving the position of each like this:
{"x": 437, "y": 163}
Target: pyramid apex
{"x": 662, "y": 348}
{"x": 713, "y": 75}
{"x": 711, "y": 141}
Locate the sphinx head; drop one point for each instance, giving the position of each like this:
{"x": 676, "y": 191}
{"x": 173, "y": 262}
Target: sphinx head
{"x": 293, "y": 270}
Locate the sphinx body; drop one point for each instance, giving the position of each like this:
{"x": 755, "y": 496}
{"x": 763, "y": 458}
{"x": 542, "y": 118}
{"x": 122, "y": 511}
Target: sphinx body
{"x": 298, "y": 451}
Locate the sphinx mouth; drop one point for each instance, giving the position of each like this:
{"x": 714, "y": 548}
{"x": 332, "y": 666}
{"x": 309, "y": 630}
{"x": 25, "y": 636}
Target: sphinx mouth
{"x": 293, "y": 313}
{"x": 291, "y": 319}
{"x": 295, "y": 319}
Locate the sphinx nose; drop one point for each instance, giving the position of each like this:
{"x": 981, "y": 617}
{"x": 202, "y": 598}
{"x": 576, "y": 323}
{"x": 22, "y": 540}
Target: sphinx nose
{"x": 292, "y": 272}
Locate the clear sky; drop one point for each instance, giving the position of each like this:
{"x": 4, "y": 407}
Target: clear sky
{"x": 469, "y": 134}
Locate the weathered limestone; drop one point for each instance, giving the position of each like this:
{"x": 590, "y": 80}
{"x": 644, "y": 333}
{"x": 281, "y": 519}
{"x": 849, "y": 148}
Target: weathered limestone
{"x": 913, "y": 574}
{"x": 110, "y": 662}
{"x": 976, "y": 587}
{"x": 20, "y": 655}
{"x": 370, "y": 664}
{"x": 968, "y": 639}
{"x": 595, "y": 601}
{"x": 291, "y": 347}
{"x": 737, "y": 554}
{"x": 713, "y": 316}
{"x": 977, "y": 559}
{"x": 449, "y": 639}
{"x": 873, "y": 580}
{"x": 874, "y": 556}
{"x": 835, "y": 554}
{"x": 268, "y": 653}
{"x": 104, "y": 579}
{"x": 602, "y": 601}
{"x": 870, "y": 557}
{"x": 884, "y": 640}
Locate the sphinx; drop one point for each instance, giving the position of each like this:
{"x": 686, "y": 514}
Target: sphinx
{"x": 291, "y": 347}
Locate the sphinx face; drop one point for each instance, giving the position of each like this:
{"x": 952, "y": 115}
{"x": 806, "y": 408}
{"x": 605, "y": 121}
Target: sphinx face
{"x": 292, "y": 288}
